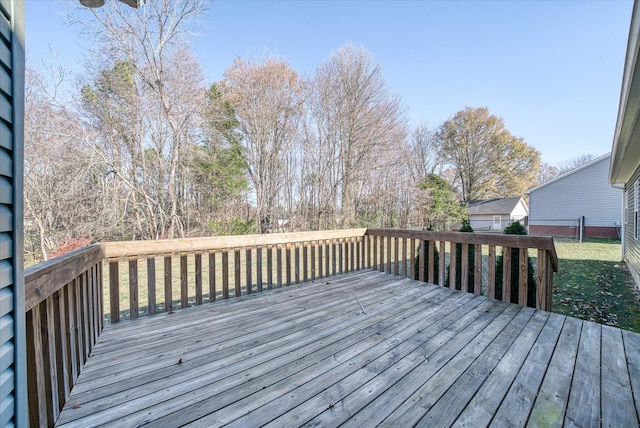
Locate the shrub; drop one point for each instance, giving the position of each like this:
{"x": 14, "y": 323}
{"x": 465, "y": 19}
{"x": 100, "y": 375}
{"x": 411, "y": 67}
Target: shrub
{"x": 466, "y": 227}
{"x": 516, "y": 228}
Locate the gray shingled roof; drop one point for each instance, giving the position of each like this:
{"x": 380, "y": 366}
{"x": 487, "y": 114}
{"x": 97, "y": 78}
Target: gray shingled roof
{"x": 493, "y": 206}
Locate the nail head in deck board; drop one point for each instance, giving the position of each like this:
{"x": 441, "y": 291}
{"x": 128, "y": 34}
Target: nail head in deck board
{"x": 618, "y": 409}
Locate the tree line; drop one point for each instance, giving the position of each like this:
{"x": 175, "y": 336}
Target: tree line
{"x": 141, "y": 147}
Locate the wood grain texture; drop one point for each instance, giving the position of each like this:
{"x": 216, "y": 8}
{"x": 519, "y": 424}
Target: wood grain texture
{"x": 419, "y": 354}
{"x": 44, "y": 279}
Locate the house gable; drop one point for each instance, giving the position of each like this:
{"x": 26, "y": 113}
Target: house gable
{"x": 582, "y": 192}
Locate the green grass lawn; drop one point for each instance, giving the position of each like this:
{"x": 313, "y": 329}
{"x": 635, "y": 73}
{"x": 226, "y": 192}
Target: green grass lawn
{"x": 593, "y": 284}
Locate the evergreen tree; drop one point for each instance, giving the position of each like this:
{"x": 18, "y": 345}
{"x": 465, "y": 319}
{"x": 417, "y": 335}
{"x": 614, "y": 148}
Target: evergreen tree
{"x": 466, "y": 228}
{"x": 436, "y": 263}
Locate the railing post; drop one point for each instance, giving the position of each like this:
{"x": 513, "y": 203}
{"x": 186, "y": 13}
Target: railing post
{"x": 151, "y": 284}
{"x": 168, "y": 286}
{"x": 198, "y": 267}
{"x": 212, "y": 275}
{"x": 477, "y": 278}
{"x": 506, "y": 274}
{"x": 114, "y": 290}
{"x": 421, "y": 259}
{"x": 237, "y": 270}
{"x": 441, "y": 262}
{"x": 259, "y": 268}
{"x": 452, "y": 265}
{"x": 184, "y": 281}
{"x": 225, "y": 273}
{"x": 523, "y": 276}
{"x": 248, "y": 270}
{"x": 133, "y": 288}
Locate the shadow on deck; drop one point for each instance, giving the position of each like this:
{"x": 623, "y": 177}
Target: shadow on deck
{"x": 310, "y": 355}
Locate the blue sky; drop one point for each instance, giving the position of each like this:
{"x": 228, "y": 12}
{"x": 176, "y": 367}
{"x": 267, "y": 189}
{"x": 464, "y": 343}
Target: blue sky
{"x": 551, "y": 69}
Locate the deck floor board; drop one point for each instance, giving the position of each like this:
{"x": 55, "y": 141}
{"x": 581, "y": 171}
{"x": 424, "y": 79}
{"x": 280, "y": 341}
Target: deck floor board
{"x": 309, "y": 355}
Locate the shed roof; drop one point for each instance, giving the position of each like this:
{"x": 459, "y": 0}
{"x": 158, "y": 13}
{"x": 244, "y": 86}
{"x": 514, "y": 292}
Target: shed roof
{"x": 493, "y": 206}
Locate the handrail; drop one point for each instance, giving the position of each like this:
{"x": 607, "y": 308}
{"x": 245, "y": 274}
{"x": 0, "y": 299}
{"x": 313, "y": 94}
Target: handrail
{"x": 64, "y": 317}
{"x": 65, "y": 301}
{"x": 44, "y": 279}
{"x": 160, "y": 246}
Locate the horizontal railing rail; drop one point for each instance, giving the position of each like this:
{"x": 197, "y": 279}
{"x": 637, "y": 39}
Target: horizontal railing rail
{"x": 63, "y": 303}
{"x": 67, "y": 302}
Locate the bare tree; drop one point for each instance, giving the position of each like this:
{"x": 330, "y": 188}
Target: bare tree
{"x": 424, "y": 157}
{"x": 62, "y": 178}
{"x": 353, "y": 120}
{"x": 146, "y": 97}
{"x": 574, "y": 162}
{"x": 266, "y": 98}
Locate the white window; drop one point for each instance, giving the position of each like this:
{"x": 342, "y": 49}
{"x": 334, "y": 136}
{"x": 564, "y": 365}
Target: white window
{"x": 497, "y": 222}
{"x": 625, "y": 211}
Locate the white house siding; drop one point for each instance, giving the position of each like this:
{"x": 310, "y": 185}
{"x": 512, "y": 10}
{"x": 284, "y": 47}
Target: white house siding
{"x": 519, "y": 212}
{"x": 485, "y": 222}
{"x": 631, "y": 240}
{"x": 555, "y": 207}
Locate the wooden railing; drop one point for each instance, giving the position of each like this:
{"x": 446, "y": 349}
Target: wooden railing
{"x": 160, "y": 275}
{"x": 63, "y": 303}
{"x": 66, "y": 305}
{"x": 388, "y": 249}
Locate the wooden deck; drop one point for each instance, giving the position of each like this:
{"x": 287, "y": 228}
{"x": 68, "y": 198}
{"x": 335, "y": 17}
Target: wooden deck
{"x": 418, "y": 354}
